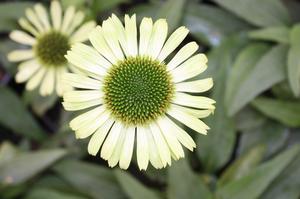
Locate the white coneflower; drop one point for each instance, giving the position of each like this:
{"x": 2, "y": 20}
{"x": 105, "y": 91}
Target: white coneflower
{"x": 134, "y": 94}
{"x": 44, "y": 63}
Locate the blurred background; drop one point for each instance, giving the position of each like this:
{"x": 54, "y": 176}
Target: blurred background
{"x": 252, "y": 150}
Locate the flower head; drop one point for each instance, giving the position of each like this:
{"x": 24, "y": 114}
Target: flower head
{"x": 137, "y": 92}
{"x": 43, "y": 63}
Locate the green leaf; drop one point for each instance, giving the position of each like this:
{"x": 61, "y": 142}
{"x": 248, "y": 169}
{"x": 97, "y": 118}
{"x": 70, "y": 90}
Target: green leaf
{"x": 252, "y": 185}
{"x": 286, "y": 112}
{"x": 90, "y": 179}
{"x": 258, "y": 12}
{"x": 270, "y": 134}
{"x": 50, "y": 194}
{"x": 15, "y": 116}
{"x": 243, "y": 65}
{"x": 278, "y": 34}
{"x": 103, "y": 5}
{"x": 26, "y": 165}
{"x": 249, "y": 118}
{"x": 133, "y": 188}
{"x": 7, "y": 152}
{"x": 242, "y": 165}
{"x": 222, "y": 132}
{"x": 283, "y": 91}
{"x": 294, "y": 60}
{"x": 210, "y": 24}
{"x": 183, "y": 182}
{"x": 287, "y": 184}
{"x": 76, "y": 3}
{"x": 10, "y": 12}
{"x": 258, "y": 79}
{"x": 173, "y": 15}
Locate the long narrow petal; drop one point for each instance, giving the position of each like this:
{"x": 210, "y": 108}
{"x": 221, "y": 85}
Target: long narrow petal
{"x": 111, "y": 37}
{"x": 127, "y": 149}
{"x": 80, "y": 81}
{"x": 36, "y": 79}
{"x": 67, "y": 19}
{"x": 82, "y": 33}
{"x": 48, "y": 82}
{"x": 131, "y": 35}
{"x": 193, "y": 101}
{"x": 31, "y": 16}
{"x": 172, "y": 141}
{"x": 78, "y": 19}
{"x": 190, "y": 68}
{"x": 75, "y": 106}
{"x": 145, "y": 35}
{"x": 42, "y": 15}
{"x": 56, "y": 14}
{"x": 27, "y": 26}
{"x": 98, "y": 137}
{"x": 154, "y": 156}
{"x": 188, "y": 120}
{"x": 197, "y": 86}
{"x": 22, "y": 37}
{"x": 86, "y": 117}
{"x": 195, "y": 112}
{"x": 20, "y": 55}
{"x": 26, "y": 70}
{"x": 98, "y": 41}
{"x": 158, "y": 37}
{"x": 111, "y": 141}
{"x": 184, "y": 53}
{"x": 121, "y": 32}
{"x": 115, "y": 157}
{"x": 83, "y": 96}
{"x": 60, "y": 86}
{"x": 142, "y": 150}
{"x": 173, "y": 42}
{"x": 161, "y": 144}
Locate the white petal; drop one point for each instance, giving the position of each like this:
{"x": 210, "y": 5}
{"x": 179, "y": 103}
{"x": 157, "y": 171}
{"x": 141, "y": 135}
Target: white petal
{"x": 83, "y": 96}
{"x": 42, "y": 15}
{"x": 172, "y": 141}
{"x": 67, "y": 19}
{"x": 91, "y": 54}
{"x": 20, "y": 55}
{"x": 78, "y": 19}
{"x": 85, "y": 63}
{"x": 195, "y": 112}
{"x": 197, "y": 86}
{"x": 22, "y": 37}
{"x": 97, "y": 39}
{"x": 26, "y": 70}
{"x": 127, "y": 149}
{"x": 75, "y": 106}
{"x": 111, "y": 36}
{"x": 193, "y": 101}
{"x": 86, "y": 117}
{"x": 142, "y": 150}
{"x": 145, "y": 35}
{"x": 115, "y": 157}
{"x": 60, "y": 86}
{"x": 184, "y": 53}
{"x": 161, "y": 144}
{"x": 98, "y": 137}
{"x": 47, "y": 85}
{"x": 188, "y": 120}
{"x": 27, "y": 26}
{"x": 190, "y": 68}
{"x": 56, "y": 14}
{"x": 36, "y": 79}
{"x": 183, "y": 137}
{"x": 32, "y": 17}
{"x": 80, "y": 81}
{"x": 90, "y": 127}
{"x": 131, "y": 35}
{"x": 154, "y": 156}
{"x": 82, "y": 33}
{"x": 111, "y": 141}
{"x": 173, "y": 42}
{"x": 121, "y": 32}
{"x": 158, "y": 37}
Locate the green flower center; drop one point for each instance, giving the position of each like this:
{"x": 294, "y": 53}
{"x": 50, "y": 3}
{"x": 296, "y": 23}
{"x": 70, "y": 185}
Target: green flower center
{"x": 138, "y": 90}
{"x": 51, "y": 48}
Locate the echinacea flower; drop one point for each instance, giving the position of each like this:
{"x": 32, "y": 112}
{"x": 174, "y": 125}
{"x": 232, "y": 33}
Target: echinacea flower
{"x": 43, "y": 63}
{"x": 135, "y": 90}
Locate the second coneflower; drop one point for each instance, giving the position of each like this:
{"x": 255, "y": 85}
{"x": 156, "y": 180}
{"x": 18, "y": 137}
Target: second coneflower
{"x": 133, "y": 93}
{"x": 43, "y": 63}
